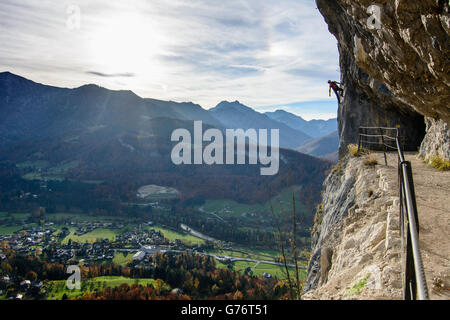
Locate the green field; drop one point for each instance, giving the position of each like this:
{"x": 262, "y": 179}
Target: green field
{"x": 261, "y": 268}
{"x": 122, "y": 259}
{"x": 277, "y": 271}
{"x": 16, "y": 216}
{"x": 92, "y": 236}
{"x": 42, "y": 170}
{"x": 9, "y": 230}
{"x": 249, "y": 253}
{"x": 56, "y": 289}
{"x": 282, "y": 203}
{"x": 172, "y": 235}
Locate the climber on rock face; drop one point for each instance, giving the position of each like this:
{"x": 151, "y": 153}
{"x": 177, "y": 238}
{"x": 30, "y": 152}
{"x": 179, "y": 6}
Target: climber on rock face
{"x": 337, "y": 90}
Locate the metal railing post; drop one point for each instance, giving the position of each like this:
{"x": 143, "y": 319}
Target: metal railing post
{"x": 384, "y": 147}
{"x": 359, "y": 139}
{"x": 413, "y": 233}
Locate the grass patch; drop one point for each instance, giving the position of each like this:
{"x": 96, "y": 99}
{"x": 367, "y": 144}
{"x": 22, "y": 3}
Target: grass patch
{"x": 122, "y": 259}
{"x": 439, "y": 163}
{"x": 337, "y": 169}
{"x": 9, "y": 230}
{"x": 370, "y": 161}
{"x": 229, "y": 208}
{"x": 20, "y": 216}
{"x": 261, "y": 268}
{"x": 172, "y": 236}
{"x": 356, "y": 289}
{"x": 353, "y": 150}
{"x": 261, "y": 254}
{"x": 56, "y": 289}
{"x": 56, "y": 173}
{"x": 277, "y": 271}
{"x": 92, "y": 236}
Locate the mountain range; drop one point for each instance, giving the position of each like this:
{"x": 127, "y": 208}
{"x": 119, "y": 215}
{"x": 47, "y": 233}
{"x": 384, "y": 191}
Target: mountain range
{"x": 236, "y": 115}
{"x": 321, "y": 147}
{"x": 92, "y": 133}
{"x": 313, "y": 128}
{"x": 294, "y": 131}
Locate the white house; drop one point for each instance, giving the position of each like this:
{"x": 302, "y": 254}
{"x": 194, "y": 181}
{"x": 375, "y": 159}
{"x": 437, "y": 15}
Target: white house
{"x": 139, "y": 256}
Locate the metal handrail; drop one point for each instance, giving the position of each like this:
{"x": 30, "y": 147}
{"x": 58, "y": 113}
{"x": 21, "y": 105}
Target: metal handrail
{"x": 414, "y": 282}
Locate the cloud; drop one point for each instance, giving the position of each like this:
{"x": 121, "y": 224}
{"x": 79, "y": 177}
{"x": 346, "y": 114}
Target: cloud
{"x": 111, "y": 75}
{"x": 262, "y": 53}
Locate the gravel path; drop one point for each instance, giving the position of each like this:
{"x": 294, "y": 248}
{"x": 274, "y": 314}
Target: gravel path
{"x": 432, "y": 189}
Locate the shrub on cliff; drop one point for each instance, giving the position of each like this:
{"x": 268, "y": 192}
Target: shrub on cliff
{"x": 439, "y": 163}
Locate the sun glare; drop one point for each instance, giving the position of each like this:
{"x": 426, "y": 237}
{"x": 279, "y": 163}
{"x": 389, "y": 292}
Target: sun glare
{"x": 125, "y": 44}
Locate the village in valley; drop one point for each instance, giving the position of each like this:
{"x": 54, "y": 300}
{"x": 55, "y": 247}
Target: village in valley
{"x": 56, "y": 244}
{"x": 67, "y": 240}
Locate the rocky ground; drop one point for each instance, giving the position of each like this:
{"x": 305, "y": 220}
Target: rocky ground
{"x": 433, "y": 206}
{"x": 357, "y": 253}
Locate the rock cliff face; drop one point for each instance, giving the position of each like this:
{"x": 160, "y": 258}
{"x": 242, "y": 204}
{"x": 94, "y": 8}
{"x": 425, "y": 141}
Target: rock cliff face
{"x": 394, "y": 72}
{"x": 437, "y": 139}
{"x": 355, "y": 240}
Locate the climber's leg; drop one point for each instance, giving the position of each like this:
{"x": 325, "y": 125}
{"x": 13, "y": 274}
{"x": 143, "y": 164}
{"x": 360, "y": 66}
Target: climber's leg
{"x": 337, "y": 96}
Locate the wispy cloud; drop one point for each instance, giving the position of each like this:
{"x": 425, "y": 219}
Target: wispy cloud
{"x": 111, "y": 75}
{"x": 270, "y": 52}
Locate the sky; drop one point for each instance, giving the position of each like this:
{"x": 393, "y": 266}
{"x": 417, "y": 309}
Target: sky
{"x": 271, "y": 54}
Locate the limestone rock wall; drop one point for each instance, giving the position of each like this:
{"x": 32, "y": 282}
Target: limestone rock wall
{"x": 394, "y": 74}
{"x": 355, "y": 241}
{"x": 437, "y": 139}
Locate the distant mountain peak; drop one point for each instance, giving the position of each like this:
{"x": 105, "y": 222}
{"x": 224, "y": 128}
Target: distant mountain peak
{"x": 89, "y": 86}
{"x": 8, "y": 75}
{"x": 94, "y": 88}
{"x": 314, "y": 128}
{"x": 10, "y": 81}
{"x": 5, "y": 73}
{"x": 282, "y": 112}
{"x": 227, "y": 105}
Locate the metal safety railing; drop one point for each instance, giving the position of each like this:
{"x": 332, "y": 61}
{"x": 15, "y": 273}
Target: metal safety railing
{"x": 382, "y": 139}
